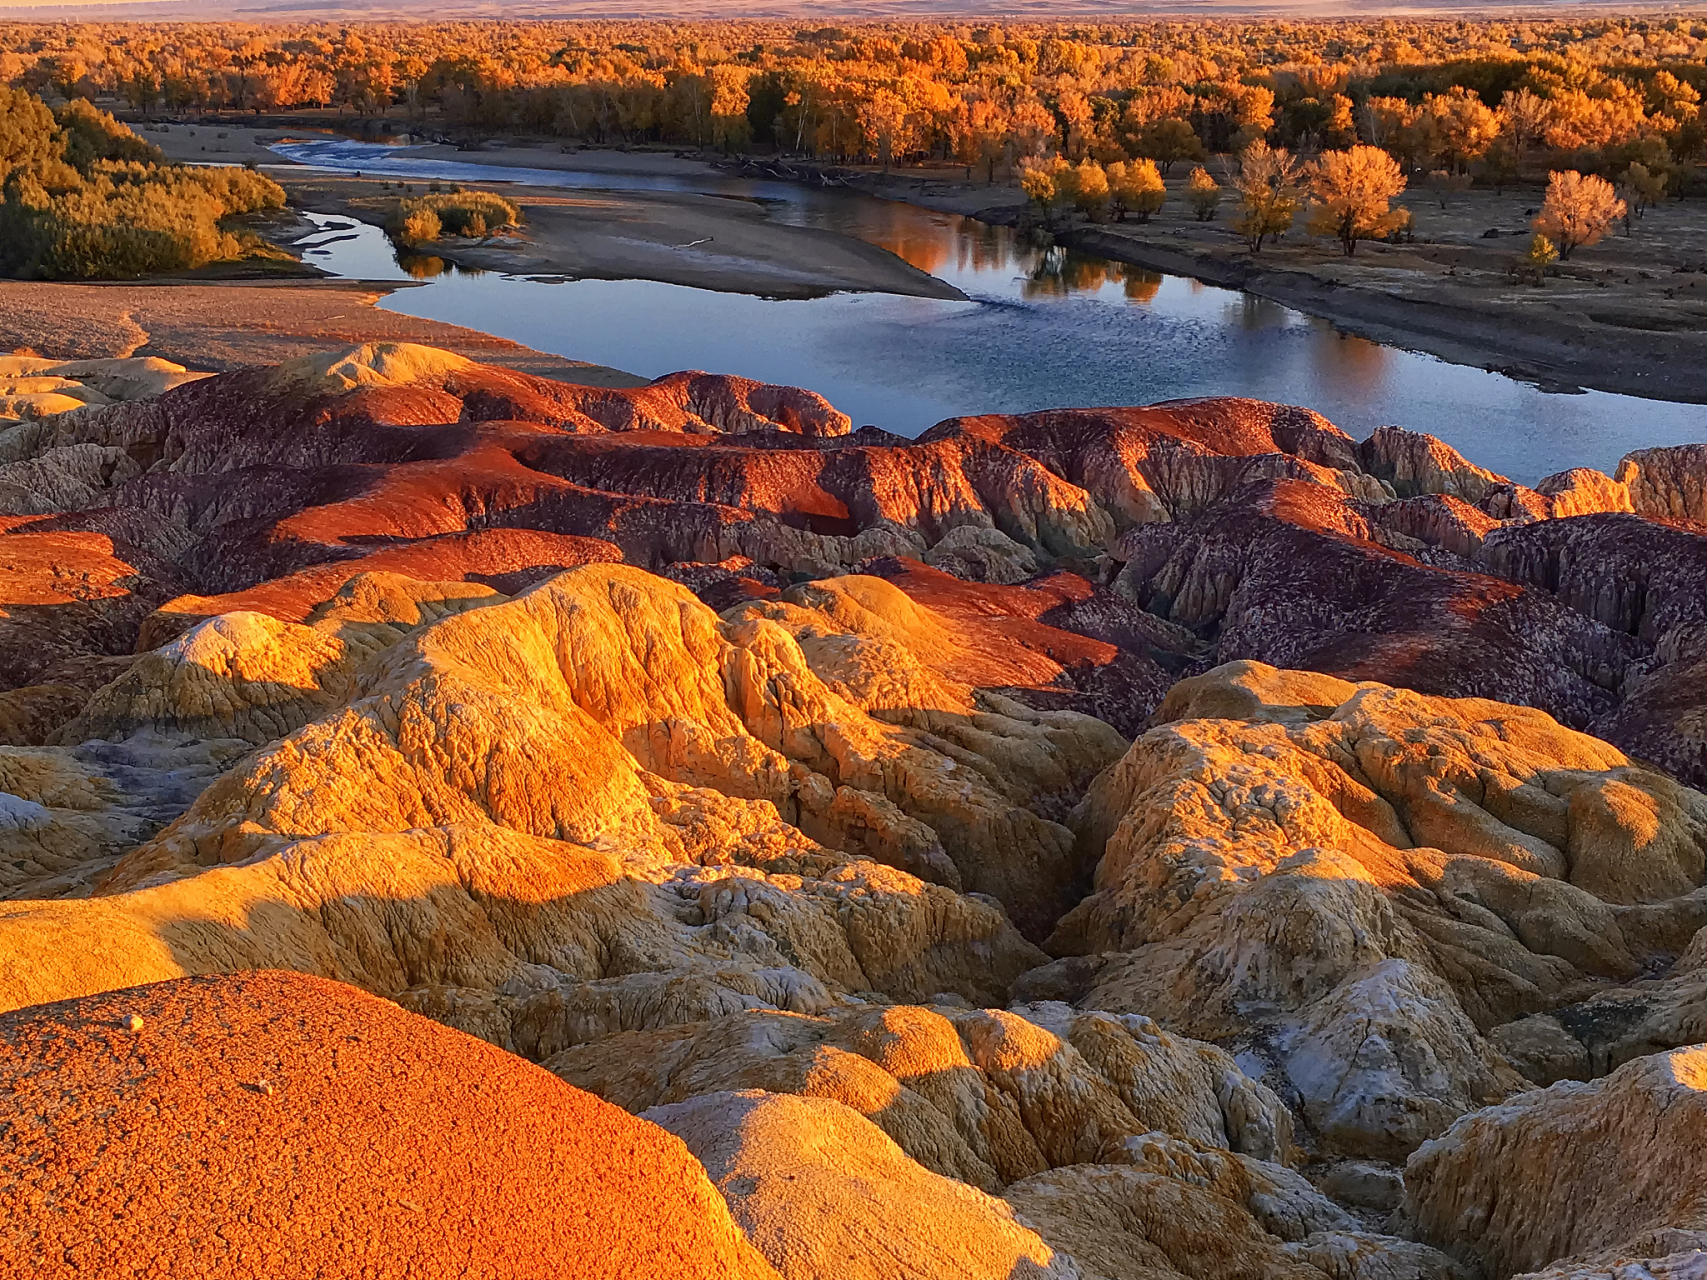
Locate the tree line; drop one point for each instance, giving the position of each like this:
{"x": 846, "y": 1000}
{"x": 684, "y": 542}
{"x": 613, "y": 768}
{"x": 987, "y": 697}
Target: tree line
{"x": 1482, "y": 101}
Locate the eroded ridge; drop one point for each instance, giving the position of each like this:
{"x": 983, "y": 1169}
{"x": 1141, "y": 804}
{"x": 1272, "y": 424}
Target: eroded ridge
{"x": 1103, "y": 843}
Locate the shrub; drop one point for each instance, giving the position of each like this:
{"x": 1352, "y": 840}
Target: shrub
{"x": 85, "y": 198}
{"x": 418, "y": 226}
{"x": 456, "y": 213}
{"x": 1203, "y": 193}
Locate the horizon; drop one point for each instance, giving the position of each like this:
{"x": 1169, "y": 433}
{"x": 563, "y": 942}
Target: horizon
{"x": 855, "y": 11}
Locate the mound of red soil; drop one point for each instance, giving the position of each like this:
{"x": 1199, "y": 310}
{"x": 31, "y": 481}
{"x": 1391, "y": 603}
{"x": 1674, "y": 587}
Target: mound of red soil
{"x": 276, "y": 1125}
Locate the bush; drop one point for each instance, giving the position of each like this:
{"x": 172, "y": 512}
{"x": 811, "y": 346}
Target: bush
{"x": 419, "y": 226}
{"x": 1204, "y": 194}
{"x": 460, "y": 213}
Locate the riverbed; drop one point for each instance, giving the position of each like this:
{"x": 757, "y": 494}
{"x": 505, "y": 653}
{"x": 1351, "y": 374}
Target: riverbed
{"x": 1041, "y": 328}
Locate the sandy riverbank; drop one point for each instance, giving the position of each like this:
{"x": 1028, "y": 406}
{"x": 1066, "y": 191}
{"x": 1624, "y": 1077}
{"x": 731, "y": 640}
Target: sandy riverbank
{"x": 227, "y": 326}
{"x": 1628, "y": 315}
{"x": 707, "y": 242}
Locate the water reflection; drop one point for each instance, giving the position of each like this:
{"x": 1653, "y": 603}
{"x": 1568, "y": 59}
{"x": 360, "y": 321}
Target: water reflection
{"x": 1357, "y": 365}
{"x": 1056, "y": 272}
{"x": 1045, "y": 327}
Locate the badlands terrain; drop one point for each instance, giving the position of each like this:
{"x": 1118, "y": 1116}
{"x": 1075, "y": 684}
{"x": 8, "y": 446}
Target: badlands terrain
{"x": 454, "y": 822}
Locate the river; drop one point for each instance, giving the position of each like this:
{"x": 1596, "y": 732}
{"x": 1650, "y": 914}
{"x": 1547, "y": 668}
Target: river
{"x": 1043, "y": 328}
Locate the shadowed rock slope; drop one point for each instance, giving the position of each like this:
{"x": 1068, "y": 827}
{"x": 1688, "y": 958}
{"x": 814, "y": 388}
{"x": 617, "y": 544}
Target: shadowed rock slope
{"x": 1100, "y": 843}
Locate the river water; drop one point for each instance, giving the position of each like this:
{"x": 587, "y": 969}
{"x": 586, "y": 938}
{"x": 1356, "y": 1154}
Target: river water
{"x": 1043, "y": 328}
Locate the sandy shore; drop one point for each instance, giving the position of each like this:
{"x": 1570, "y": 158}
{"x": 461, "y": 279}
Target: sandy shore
{"x": 227, "y": 326}
{"x": 707, "y": 242}
{"x": 1628, "y": 315}
{"x": 220, "y": 143}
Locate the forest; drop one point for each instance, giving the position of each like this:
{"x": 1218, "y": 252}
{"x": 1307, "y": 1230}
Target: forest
{"x": 1469, "y": 101}
{"x": 81, "y": 196}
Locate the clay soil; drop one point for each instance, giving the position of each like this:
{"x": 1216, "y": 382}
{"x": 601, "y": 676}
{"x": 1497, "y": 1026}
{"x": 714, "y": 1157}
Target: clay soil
{"x": 273, "y": 1124}
{"x": 230, "y": 325}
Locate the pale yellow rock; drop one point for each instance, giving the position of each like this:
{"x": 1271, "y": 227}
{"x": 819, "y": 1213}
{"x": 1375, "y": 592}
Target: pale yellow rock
{"x": 822, "y": 1192}
{"x": 32, "y": 388}
{"x": 1670, "y": 483}
{"x": 1129, "y": 1223}
{"x": 1688, "y": 1263}
{"x": 132, "y": 378}
{"x": 1414, "y": 463}
{"x": 240, "y": 675}
{"x": 985, "y": 1096}
{"x": 1370, "y": 879}
{"x": 67, "y": 817}
{"x": 1122, "y": 1223}
{"x": 1582, "y": 491}
{"x": 374, "y": 364}
{"x": 1584, "y": 1174}
{"x": 608, "y": 709}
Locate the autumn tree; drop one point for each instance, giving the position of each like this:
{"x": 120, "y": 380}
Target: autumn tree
{"x": 1463, "y": 127}
{"x": 1268, "y": 193}
{"x": 1203, "y": 193}
{"x": 1542, "y": 254}
{"x": 1351, "y": 194}
{"x": 1042, "y": 182}
{"x": 1136, "y": 187}
{"x": 1578, "y": 209}
{"x": 1646, "y": 188}
{"x": 1085, "y": 186}
{"x": 1168, "y": 140}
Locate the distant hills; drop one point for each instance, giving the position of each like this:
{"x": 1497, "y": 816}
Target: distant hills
{"x": 788, "y": 10}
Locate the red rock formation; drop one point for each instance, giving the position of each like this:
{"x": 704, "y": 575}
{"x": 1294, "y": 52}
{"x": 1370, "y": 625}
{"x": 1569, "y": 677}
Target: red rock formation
{"x": 269, "y": 1123}
{"x": 1198, "y": 531}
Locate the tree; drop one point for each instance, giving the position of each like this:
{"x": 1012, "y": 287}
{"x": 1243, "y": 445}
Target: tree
{"x": 1268, "y": 193}
{"x": 1166, "y": 141}
{"x": 1578, "y": 209}
{"x": 1203, "y": 193}
{"x": 1524, "y": 117}
{"x": 1646, "y": 187}
{"x": 1464, "y": 127}
{"x": 1542, "y": 254}
{"x": 987, "y": 130}
{"x": 1137, "y": 188}
{"x": 1351, "y": 193}
{"x": 1446, "y": 184}
{"x": 1086, "y": 185}
{"x": 1041, "y": 181}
